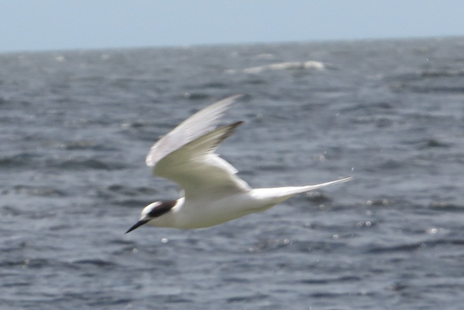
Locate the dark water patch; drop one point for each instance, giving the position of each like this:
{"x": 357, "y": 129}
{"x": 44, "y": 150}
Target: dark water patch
{"x": 392, "y": 164}
{"x": 383, "y": 122}
{"x": 271, "y": 167}
{"x": 112, "y": 302}
{"x": 21, "y": 160}
{"x": 444, "y": 242}
{"x": 413, "y": 247}
{"x": 236, "y": 279}
{"x": 442, "y": 206}
{"x": 44, "y": 212}
{"x": 317, "y": 197}
{"x": 437, "y": 143}
{"x": 37, "y": 263}
{"x": 84, "y": 145}
{"x": 331, "y": 245}
{"x": 21, "y": 284}
{"x": 126, "y": 190}
{"x": 128, "y": 244}
{"x": 422, "y": 144}
{"x": 426, "y": 89}
{"x": 398, "y": 286}
{"x": 131, "y": 203}
{"x": 197, "y": 96}
{"x": 377, "y": 121}
{"x": 86, "y": 164}
{"x": 436, "y": 89}
{"x": 410, "y": 247}
{"x": 256, "y": 81}
{"x": 38, "y": 191}
{"x": 247, "y": 298}
{"x": 14, "y": 263}
{"x": 218, "y": 85}
{"x": 172, "y": 299}
{"x": 95, "y": 263}
{"x": 426, "y": 75}
{"x": 326, "y": 295}
{"x": 440, "y": 74}
{"x": 383, "y": 105}
{"x": 8, "y": 210}
{"x": 59, "y": 227}
{"x": 33, "y": 263}
{"x": 89, "y": 298}
{"x": 14, "y": 245}
{"x": 335, "y": 280}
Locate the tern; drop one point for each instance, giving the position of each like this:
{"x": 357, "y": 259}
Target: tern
{"x": 213, "y": 194}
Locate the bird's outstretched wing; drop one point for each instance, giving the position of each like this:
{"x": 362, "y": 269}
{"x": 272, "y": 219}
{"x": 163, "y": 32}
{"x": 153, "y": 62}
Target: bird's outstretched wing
{"x": 186, "y": 155}
{"x": 195, "y": 126}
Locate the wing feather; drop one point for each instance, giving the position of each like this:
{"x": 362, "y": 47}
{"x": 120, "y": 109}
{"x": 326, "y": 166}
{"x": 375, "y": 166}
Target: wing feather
{"x": 186, "y": 154}
{"x": 198, "y": 170}
{"x": 195, "y": 126}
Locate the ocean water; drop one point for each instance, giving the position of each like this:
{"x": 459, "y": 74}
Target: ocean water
{"x": 75, "y": 128}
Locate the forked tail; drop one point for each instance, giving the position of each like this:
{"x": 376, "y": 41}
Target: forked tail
{"x": 280, "y": 194}
{"x": 307, "y": 188}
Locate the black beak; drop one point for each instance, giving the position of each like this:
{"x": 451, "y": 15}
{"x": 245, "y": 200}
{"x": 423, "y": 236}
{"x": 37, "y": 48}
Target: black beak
{"x": 137, "y": 225}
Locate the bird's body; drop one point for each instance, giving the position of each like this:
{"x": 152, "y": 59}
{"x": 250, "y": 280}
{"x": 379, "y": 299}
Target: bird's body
{"x": 213, "y": 192}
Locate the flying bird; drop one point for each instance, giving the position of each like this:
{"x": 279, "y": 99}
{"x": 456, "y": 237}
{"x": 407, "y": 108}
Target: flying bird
{"x": 212, "y": 192}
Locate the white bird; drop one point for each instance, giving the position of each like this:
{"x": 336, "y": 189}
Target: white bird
{"x": 213, "y": 194}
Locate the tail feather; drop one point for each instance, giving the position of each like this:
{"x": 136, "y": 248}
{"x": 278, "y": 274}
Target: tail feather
{"x": 307, "y": 188}
{"x": 280, "y": 194}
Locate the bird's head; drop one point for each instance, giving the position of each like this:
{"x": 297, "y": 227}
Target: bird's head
{"x": 153, "y": 211}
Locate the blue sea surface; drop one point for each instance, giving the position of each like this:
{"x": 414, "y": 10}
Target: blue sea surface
{"x": 75, "y": 127}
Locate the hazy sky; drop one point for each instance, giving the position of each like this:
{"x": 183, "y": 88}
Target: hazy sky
{"x": 30, "y": 25}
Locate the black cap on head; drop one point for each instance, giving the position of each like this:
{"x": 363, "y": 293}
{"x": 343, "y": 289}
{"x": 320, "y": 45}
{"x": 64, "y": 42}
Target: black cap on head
{"x": 152, "y": 211}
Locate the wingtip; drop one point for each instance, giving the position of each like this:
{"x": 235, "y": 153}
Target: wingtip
{"x": 208, "y": 117}
{"x": 237, "y": 123}
{"x": 236, "y": 96}
{"x": 346, "y": 179}
{"x": 230, "y": 99}
{"x": 228, "y": 130}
